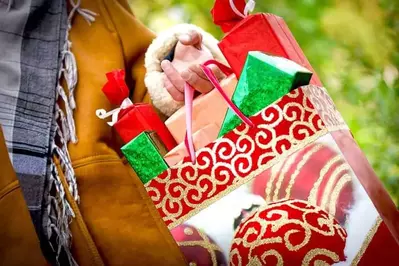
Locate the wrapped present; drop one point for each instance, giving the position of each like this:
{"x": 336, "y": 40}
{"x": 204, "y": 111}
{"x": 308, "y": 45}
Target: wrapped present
{"x": 203, "y": 106}
{"x": 197, "y": 247}
{"x": 189, "y": 96}
{"x": 140, "y": 117}
{"x": 201, "y": 138}
{"x": 299, "y": 234}
{"x": 260, "y": 32}
{"x": 189, "y": 92}
{"x": 264, "y": 79}
{"x": 116, "y": 89}
{"x": 145, "y": 154}
{"x": 229, "y": 17}
{"x": 129, "y": 120}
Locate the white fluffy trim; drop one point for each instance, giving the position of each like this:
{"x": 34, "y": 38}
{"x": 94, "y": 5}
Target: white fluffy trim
{"x": 361, "y": 218}
{"x": 157, "y": 51}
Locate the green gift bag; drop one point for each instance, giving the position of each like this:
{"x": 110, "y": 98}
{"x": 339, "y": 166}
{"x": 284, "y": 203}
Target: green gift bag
{"x": 264, "y": 79}
{"x": 145, "y": 154}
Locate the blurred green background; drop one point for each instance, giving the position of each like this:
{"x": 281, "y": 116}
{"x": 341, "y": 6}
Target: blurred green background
{"x": 352, "y": 45}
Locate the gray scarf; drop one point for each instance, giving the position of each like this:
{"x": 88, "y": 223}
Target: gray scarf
{"x": 35, "y": 57}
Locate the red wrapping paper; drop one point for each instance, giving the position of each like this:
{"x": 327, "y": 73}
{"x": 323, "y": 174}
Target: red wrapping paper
{"x": 136, "y": 118}
{"x": 224, "y": 16}
{"x": 260, "y": 32}
{"x": 141, "y": 117}
{"x": 116, "y": 89}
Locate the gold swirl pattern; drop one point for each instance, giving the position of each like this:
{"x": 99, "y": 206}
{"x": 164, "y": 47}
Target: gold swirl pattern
{"x": 272, "y": 252}
{"x": 313, "y": 193}
{"x": 332, "y": 182}
{"x": 317, "y": 173}
{"x": 282, "y": 128}
{"x": 325, "y": 107}
{"x": 203, "y": 242}
{"x": 288, "y": 232}
{"x": 305, "y": 158}
{"x": 319, "y": 252}
{"x": 197, "y": 247}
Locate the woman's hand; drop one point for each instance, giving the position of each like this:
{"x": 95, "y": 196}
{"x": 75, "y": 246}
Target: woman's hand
{"x": 189, "y": 54}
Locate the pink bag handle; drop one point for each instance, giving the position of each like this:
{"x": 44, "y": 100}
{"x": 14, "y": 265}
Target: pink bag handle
{"x": 189, "y": 97}
{"x": 188, "y": 139}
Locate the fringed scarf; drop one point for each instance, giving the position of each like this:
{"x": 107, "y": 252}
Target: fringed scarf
{"x": 35, "y": 57}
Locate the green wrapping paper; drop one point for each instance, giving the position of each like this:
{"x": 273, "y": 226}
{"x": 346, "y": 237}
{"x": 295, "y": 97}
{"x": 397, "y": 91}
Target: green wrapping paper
{"x": 145, "y": 154}
{"x": 264, "y": 79}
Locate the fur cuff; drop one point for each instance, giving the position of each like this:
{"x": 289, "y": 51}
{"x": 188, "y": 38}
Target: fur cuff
{"x": 157, "y": 51}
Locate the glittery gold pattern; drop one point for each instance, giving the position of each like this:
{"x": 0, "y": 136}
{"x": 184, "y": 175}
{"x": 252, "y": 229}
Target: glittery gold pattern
{"x": 325, "y": 107}
{"x": 272, "y": 221}
{"x": 305, "y": 158}
{"x": 301, "y": 175}
{"x": 188, "y": 231}
{"x": 204, "y": 243}
{"x": 317, "y": 252}
{"x": 331, "y": 183}
{"x": 313, "y": 193}
{"x": 366, "y": 242}
{"x": 286, "y": 126}
{"x": 281, "y": 177}
{"x": 343, "y": 181}
{"x": 274, "y": 253}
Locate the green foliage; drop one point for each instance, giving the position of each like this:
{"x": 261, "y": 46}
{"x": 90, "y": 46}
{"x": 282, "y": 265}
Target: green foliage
{"x": 352, "y": 45}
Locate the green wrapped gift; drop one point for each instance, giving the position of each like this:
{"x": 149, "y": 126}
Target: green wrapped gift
{"x": 145, "y": 154}
{"x": 264, "y": 79}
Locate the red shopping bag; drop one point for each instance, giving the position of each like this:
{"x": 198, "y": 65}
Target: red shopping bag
{"x": 267, "y": 33}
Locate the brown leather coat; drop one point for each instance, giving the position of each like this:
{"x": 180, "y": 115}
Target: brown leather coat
{"x": 116, "y": 222}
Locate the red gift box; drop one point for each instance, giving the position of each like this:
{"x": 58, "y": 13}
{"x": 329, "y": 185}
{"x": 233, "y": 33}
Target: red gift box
{"x": 260, "y": 32}
{"x": 138, "y": 118}
{"x": 132, "y": 119}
